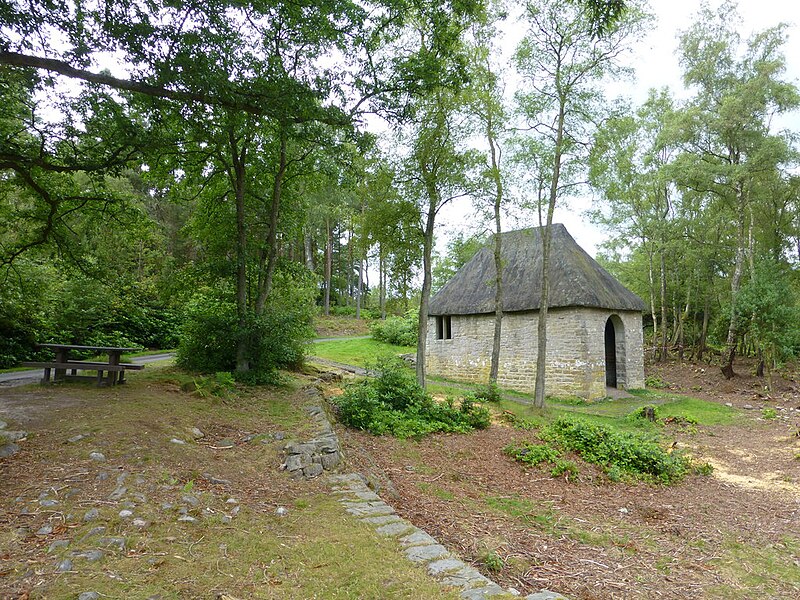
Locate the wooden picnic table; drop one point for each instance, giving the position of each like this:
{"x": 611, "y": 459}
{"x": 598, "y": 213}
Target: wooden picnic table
{"x": 113, "y": 368}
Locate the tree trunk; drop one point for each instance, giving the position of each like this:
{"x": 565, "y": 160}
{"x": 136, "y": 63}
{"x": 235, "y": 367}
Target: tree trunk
{"x": 664, "y": 329}
{"x": 494, "y": 367}
{"x": 309, "y": 252}
{"x": 427, "y": 250}
{"x": 738, "y": 267}
{"x": 359, "y": 287}
{"x": 541, "y": 356}
{"x": 382, "y": 281}
{"x": 328, "y": 265}
{"x": 272, "y": 233}
{"x": 704, "y": 331}
{"x": 652, "y": 300}
{"x": 238, "y": 158}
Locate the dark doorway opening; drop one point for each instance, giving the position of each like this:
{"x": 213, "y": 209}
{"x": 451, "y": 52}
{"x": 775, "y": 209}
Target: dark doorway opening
{"x": 611, "y": 355}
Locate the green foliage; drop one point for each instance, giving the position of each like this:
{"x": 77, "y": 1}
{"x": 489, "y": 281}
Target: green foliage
{"x": 273, "y": 340}
{"x": 393, "y": 403}
{"x": 618, "y": 453}
{"x": 655, "y": 382}
{"x": 533, "y": 454}
{"x": 489, "y": 392}
{"x": 401, "y": 331}
{"x": 493, "y": 562}
{"x": 769, "y": 413}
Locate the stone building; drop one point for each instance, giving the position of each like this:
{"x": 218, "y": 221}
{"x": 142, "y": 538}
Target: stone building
{"x": 594, "y": 324}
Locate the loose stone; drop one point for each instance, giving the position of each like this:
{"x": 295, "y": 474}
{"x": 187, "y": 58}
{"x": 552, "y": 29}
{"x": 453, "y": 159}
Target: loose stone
{"x": 7, "y": 450}
{"x": 197, "y": 433}
{"x": 98, "y": 456}
{"x": 48, "y": 502}
{"x": 77, "y": 438}
{"x": 88, "y": 596}
{"x": 125, "y": 514}
{"x": 15, "y": 436}
{"x": 193, "y": 500}
{"x": 177, "y": 441}
{"x": 45, "y": 529}
{"x": 140, "y": 523}
{"x": 64, "y": 566}
{"x": 57, "y": 545}
{"x": 93, "y": 555}
{"x": 186, "y": 519}
{"x": 281, "y": 511}
{"x": 225, "y": 444}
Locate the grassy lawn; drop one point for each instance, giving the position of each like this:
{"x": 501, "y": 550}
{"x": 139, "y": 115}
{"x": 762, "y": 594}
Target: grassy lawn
{"x": 356, "y": 352}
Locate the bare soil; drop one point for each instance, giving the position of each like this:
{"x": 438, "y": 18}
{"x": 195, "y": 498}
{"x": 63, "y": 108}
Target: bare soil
{"x": 730, "y": 535}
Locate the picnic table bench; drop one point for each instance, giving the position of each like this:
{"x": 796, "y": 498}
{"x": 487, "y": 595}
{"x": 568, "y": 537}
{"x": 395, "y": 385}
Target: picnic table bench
{"x": 63, "y": 368}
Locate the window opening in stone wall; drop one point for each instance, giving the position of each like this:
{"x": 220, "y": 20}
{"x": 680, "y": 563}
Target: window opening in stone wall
{"x": 444, "y": 329}
{"x": 611, "y": 354}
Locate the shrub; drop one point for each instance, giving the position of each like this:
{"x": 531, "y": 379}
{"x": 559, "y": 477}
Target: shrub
{"x": 769, "y": 413}
{"x": 274, "y": 340}
{"x": 488, "y": 392}
{"x": 401, "y": 331}
{"x": 617, "y": 452}
{"x": 393, "y": 403}
{"x": 533, "y": 454}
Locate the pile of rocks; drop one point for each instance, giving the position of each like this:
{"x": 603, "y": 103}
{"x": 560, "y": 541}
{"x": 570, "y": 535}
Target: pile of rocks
{"x": 322, "y": 453}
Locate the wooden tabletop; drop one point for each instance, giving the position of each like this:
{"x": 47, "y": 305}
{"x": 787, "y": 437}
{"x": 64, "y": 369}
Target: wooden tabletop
{"x": 95, "y": 348}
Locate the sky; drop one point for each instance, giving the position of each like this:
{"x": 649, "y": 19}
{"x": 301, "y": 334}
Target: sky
{"x": 655, "y": 62}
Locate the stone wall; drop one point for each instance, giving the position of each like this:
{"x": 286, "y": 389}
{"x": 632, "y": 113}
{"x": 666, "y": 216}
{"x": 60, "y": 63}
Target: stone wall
{"x": 575, "y": 350}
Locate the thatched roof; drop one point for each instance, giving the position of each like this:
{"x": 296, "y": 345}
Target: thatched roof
{"x": 575, "y": 278}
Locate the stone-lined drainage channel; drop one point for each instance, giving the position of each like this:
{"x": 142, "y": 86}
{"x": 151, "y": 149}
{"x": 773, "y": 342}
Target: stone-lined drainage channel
{"x": 323, "y": 453}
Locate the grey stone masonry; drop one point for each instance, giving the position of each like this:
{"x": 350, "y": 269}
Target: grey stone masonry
{"x": 419, "y": 547}
{"x": 322, "y": 453}
{"x": 576, "y": 360}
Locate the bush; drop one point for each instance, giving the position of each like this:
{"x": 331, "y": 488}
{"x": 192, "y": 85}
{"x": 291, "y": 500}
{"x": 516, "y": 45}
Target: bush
{"x": 274, "y": 340}
{"x": 617, "y": 452}
{"x": 488, "y": 392}
{"x": 401, "y": 331}
{"x": 393, "y": 403}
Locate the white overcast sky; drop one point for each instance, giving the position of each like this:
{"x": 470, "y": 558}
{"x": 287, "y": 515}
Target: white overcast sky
{"x": 655, "y": 62}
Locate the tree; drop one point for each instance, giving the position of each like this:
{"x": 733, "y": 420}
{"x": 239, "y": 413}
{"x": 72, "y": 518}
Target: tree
{"x": 562, "y": 60}
{"x": 730, "y": 145}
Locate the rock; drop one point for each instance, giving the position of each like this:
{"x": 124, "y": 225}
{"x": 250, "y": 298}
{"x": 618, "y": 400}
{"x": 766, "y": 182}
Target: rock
{"x": 278, "y": 436}
{"x": 118, "y": 542}
{"x": 623, "y": 510}
{"x": 250, "y": 438}
{"x": 14, "y": 436}
{"x": 313, "y": 470}
{"x": 426, "y": 553}
{"x": 191, "y": 500}
{"x": 125, "y": 514}
{"x": 215, "y": 480}
{"x": 7, "y": 450}
{"x": 57, "y": 545}
{"x": 281, "y": 511}
{"x": 46, "y": 529}
{"x": 93, "y": 532}
{"x": 196, "y": 433}
{"x": 3, "y": 424}
{"x": 545, "y": 595}
{"x": 77, "y": 438}
{"x": 231, "y": 501}
{"x": 91, "y": 514}
{"x": 92, "y": 555}
{"x": 140, "y": 523}
{"x": 225, "y": 444}
{"x": 226, "y": 519}
{"x": 177, "y": 441}
{"x": 64, "y": 566}
{"x": 88, "y": 596}
{"x": 47, "y": 502}
{"x": 186, "y": 519}
{"x": 729, "y": 404}
{"x": 98, "y": 456}
{"x": 167, "y": 506}
{"x": 118, "y": 493}
{"x": 102, "y": 476}
{"x": 748, "y": 407}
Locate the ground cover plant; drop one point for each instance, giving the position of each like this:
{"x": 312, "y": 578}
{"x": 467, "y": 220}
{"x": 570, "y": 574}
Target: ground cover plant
{"x": 391, "y": 402}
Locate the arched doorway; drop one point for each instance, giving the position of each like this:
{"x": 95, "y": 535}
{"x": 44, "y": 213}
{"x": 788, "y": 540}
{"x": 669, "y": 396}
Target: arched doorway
{"x": 615, "y": 352}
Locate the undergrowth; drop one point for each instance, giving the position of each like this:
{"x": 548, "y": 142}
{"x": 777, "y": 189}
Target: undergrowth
{"x": 620, "y": 454}
{"x": 393, "y": 403}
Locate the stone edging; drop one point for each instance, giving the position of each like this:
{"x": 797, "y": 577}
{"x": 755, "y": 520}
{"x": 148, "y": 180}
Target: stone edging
{"x": 323, "y": 453}
{"x": 418, "y": 546}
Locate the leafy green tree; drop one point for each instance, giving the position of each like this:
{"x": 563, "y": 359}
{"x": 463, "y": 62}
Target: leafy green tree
{"x": 731, "y": 146}
{"x": 562, "y": 60}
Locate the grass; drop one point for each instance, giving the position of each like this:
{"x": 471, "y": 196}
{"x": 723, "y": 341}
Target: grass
{"x": 360, "y": 352}
{"x": 758, "y": 571}
{"x": 316, "y": 551}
